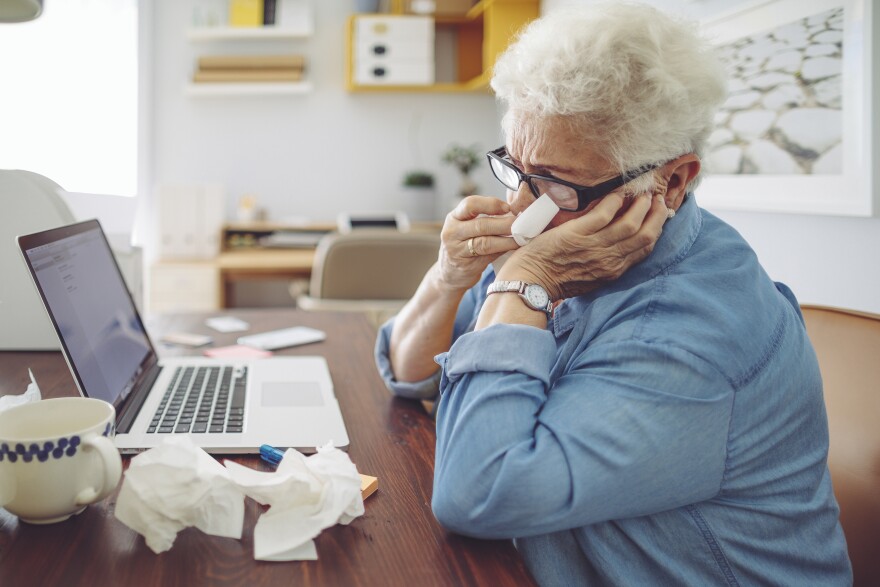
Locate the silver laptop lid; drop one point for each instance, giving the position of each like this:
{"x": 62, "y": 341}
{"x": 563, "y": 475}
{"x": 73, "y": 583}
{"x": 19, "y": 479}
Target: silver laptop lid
{"x": 102, "y": 335}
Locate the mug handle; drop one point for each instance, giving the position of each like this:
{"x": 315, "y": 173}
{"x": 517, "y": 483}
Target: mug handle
{"x": 111, "y": 464}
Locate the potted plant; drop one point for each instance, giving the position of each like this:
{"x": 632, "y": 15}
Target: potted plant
{"x": 418, "y": 188}
{"x": 421, "y": 179}
{"x": 464, "y": 159}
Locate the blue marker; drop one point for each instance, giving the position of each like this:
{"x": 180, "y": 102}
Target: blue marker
{"x": 271, "y": 455}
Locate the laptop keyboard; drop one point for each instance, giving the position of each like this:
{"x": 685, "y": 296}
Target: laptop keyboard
{"x": 202, "y": 400}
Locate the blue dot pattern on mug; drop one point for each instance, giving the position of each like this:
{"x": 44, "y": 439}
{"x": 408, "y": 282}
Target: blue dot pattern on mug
{"x": 56, "y": 450}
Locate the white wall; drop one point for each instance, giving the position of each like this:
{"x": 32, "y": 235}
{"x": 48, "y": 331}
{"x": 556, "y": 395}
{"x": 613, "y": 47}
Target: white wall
{"x": 328, "y": 151}
{"x": 824, "y": 259}
{"x": 311, "y": 155}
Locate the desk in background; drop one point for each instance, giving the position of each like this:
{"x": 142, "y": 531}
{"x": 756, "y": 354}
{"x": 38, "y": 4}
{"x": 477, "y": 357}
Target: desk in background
{"x": 396, "y": 542}
{"x": 209, "y": 285}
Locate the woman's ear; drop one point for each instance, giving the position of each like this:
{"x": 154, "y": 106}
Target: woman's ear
{"x": 682, "y": 170}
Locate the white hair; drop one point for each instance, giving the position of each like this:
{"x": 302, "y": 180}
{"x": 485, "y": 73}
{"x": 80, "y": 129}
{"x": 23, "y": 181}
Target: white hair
{"x": 625, "y": 76}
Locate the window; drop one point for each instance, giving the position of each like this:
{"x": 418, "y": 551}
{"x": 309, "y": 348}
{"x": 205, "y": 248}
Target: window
{"x": 68, "y": 96}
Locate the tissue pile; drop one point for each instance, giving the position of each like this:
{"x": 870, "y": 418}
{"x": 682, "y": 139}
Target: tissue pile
{"x": 31, "y": 394}
{"x": 177, "y": 485}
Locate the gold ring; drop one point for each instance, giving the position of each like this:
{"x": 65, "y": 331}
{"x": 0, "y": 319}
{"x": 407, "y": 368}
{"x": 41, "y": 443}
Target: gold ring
{"x": 470, "y": 246}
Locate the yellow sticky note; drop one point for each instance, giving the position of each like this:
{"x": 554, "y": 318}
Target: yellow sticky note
{"x": 369, "y": 485}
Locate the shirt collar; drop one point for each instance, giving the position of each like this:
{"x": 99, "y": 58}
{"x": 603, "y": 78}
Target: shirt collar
{"x": 679, "y": 234}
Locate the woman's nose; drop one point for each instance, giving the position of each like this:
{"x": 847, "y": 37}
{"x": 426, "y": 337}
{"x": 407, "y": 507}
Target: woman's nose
{"x": 520, "y": 199}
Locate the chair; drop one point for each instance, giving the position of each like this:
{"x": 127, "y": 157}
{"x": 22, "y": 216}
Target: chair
{"x": 847, "y": 344}
{"x": 30, "y": 203}
{"x": 370, "y": 271}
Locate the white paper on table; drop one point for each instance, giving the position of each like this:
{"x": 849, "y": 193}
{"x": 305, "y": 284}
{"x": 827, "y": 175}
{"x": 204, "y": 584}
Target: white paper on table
{"x": 31, "y": 394}
{"x": 227, "y": 324}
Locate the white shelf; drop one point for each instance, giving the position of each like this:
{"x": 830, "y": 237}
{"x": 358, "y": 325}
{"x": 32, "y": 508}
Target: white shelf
{"x": 248, "y": 89}
{"x": 225, "y": 33}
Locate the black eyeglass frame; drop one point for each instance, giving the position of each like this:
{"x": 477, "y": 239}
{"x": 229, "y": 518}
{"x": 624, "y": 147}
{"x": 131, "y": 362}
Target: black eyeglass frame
{"x": 585, "y": 193}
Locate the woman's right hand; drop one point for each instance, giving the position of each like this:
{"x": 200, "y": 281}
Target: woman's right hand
{"x": 425, "y": 325}
{"x": 480, "y": 220}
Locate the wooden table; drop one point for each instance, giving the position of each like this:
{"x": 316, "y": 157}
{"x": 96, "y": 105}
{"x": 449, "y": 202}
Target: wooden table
{"x": 396, "y": 542}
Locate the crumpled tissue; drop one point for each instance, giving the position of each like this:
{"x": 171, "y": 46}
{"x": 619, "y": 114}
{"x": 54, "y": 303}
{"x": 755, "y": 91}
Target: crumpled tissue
{"x": 305, "y": 495}
{"x": 177, "y": 485}
{"x": 174, "y": 486}
{"x": 31, "y": 394}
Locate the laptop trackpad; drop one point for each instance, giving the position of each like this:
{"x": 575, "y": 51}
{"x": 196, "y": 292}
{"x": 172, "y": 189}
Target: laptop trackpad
{"x": 291, "y": 394}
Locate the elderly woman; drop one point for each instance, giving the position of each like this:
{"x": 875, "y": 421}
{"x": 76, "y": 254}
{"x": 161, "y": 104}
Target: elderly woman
{"x": 660, "y": 421}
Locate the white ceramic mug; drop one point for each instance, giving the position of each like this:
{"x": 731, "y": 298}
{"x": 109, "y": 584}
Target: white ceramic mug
{"x": 56, "y": 457}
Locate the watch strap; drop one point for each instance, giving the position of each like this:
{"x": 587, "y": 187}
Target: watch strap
{"x": 519, "y": 287}
{"x": 501, "y": 286}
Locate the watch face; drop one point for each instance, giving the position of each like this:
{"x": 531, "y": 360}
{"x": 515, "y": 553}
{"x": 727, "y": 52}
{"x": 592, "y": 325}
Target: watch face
{"x": 537, "y": 296}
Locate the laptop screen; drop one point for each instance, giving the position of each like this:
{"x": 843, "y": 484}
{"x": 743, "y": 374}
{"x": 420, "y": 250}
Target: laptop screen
{"x": 89, "y": 304}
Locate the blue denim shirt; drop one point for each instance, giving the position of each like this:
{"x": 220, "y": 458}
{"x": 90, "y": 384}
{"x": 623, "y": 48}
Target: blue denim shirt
{"x": 667, "y": 429}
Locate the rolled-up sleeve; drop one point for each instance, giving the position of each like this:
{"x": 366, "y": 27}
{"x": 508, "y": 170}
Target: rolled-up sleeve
{"x": 465, "y": 318}
{"x": 424, "y": 389}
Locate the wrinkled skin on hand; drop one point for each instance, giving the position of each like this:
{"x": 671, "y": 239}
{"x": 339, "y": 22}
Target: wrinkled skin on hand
{"x": 486, "y": 220}
{"x": 588, "y": 251}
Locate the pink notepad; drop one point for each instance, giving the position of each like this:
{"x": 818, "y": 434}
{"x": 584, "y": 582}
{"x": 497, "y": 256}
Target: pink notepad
{"x": 236, "y": 350}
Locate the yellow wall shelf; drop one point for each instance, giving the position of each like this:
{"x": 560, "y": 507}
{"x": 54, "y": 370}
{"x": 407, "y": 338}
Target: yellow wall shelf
{"x": 482, "y": 35}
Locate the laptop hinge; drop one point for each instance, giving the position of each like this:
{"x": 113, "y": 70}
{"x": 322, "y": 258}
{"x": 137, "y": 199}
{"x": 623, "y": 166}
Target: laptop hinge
{"x": 129, "y": 413}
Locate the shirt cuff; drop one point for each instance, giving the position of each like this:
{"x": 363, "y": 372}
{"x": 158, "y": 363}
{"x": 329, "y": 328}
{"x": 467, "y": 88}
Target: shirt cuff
{"x": 425, "y": 389}
{"x": 502, "y": 347}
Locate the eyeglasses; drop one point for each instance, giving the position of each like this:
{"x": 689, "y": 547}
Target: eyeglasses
{"x": 568, "y": 196}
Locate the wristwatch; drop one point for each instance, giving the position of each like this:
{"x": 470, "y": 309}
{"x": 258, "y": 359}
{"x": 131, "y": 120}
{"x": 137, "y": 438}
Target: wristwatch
{"x": 535, "y": 296}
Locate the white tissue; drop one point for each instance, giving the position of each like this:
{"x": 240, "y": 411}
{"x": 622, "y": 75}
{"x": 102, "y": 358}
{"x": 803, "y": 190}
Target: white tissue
{"x": 177, "y": 485}
{"x": 533, "y": 220}
{"x": 31, "y": 394}
{"x": 305, "y": 495}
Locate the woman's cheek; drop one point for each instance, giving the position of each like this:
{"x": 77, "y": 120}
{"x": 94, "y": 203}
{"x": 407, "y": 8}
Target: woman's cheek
{"x": 563, "y": 217}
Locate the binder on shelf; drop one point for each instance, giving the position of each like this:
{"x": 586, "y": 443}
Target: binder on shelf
{"x": 190, "y": 218}
{"x": 246, "y": 13}
{"x": 393, "y": 50}
{"x": 269, "y": 9}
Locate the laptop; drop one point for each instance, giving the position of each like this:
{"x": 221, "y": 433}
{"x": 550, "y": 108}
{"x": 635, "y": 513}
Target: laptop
{"x": 227, "y": 406}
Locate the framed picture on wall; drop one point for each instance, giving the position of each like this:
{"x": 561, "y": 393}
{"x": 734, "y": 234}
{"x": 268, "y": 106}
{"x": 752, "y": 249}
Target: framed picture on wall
{"x": 795, "y": 133}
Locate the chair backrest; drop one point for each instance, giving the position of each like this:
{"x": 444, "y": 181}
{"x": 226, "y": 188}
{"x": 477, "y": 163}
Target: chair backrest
{"x": 847, "y": 344}
{"x": 372, "y": 264}
{"x": 30, "y": 202}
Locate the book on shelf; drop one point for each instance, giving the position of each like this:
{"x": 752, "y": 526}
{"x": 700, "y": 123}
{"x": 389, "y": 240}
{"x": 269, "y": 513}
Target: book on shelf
{"x": 244, "y": 75}
{"x": 249, "y": 62}
{"x": 246, "y": 13}
{"x": 269, "y": 12}
{"x": 249, "y": 68}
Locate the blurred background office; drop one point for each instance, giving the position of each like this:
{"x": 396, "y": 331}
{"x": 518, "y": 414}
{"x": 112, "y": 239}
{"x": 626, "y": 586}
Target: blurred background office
{"x": 100, "y": 98}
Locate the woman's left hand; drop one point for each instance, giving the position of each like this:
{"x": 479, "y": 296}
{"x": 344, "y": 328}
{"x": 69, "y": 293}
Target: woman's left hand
{"x": 589, "y": 251}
